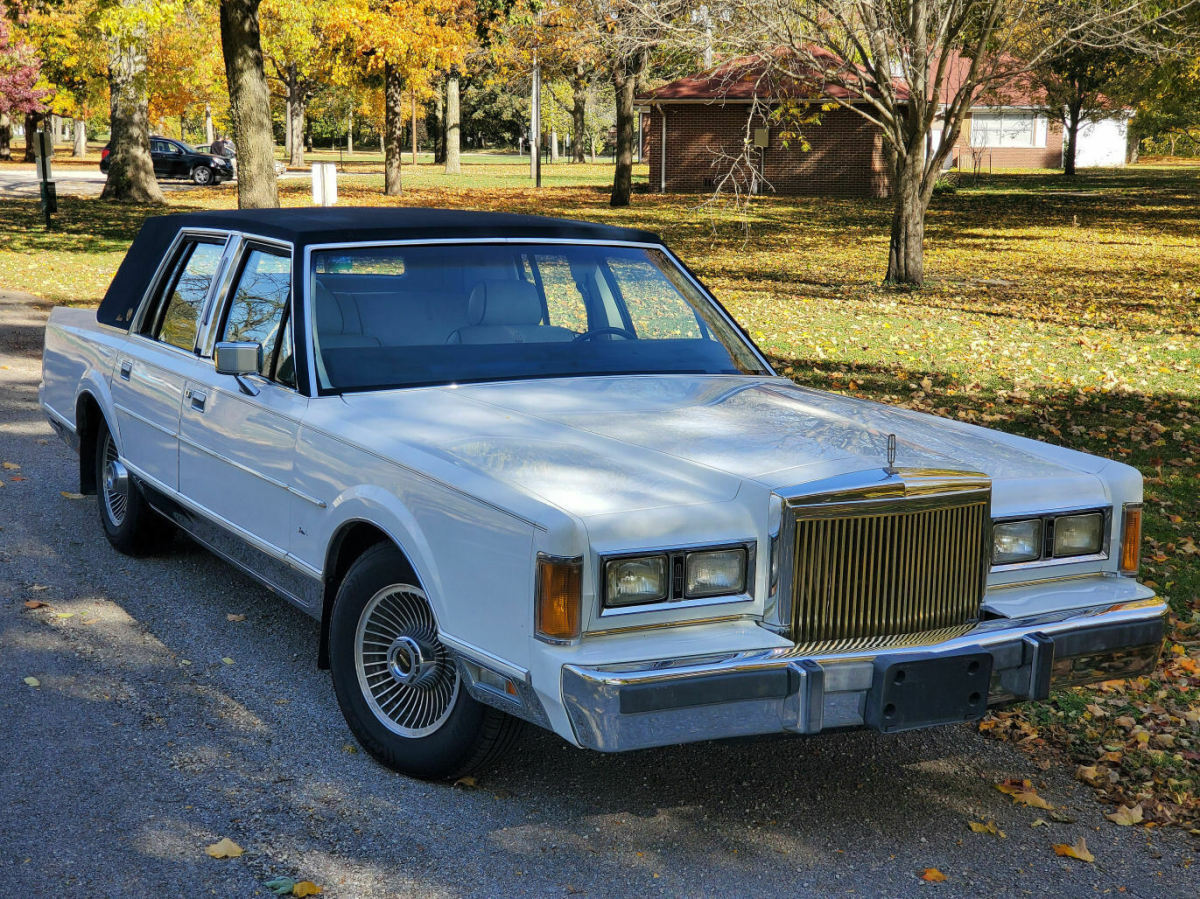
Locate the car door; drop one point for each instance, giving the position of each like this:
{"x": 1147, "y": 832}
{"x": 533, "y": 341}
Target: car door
{"x": 152, "y": 366}
{"x": 237, "y": 443}
{"x": 160, "y": 154}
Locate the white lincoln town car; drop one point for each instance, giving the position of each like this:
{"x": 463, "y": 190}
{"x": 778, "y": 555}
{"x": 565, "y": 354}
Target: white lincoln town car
{"x": 524, "y": 469}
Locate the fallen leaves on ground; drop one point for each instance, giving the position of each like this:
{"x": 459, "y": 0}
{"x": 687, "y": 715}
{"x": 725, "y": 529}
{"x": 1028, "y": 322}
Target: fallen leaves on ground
{"x": 287, "y": 886}
{"x": 36, "y": 604}
{"x": 1022, "y": 792}
{"x": 990, "y": 827}
{"x": 232, "y": 617}
{"x": 226, "y": 660}
{"x": 224, "y": 848}
{"x": 68, "y": 495}
{"x": 467, "y": 783}
{"x": 933, "y": 875}
{"x": 10, "y": 466}
{"x": 1126, "y": 815}
{"x": 1078, "y": 850}
{"x": 33, "y": 681}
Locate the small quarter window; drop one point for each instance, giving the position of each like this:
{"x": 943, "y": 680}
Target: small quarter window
{"x": 177, "y": 312}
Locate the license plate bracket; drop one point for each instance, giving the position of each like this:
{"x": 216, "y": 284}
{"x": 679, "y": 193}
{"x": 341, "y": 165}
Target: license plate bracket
{"x": 923, "y": 690}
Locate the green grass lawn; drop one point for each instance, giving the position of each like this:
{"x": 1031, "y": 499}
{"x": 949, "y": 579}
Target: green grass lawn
{"x": 1063, "y": 309}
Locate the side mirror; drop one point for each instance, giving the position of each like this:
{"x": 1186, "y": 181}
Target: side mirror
{"x": 239, "y": 360}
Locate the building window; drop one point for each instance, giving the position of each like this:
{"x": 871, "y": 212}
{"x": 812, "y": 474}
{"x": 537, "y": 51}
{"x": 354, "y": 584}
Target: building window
{"x": 1009, "y": 128}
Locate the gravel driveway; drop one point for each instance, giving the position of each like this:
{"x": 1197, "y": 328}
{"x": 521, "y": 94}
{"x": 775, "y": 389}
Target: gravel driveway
{"x": 159, "y": 725}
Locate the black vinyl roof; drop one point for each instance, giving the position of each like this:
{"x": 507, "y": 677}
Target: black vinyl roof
{"x": 337, "y": 224}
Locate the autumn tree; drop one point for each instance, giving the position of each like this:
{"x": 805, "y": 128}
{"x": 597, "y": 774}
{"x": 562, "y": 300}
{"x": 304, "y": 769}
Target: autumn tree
{"x": 249, "y": 103}
{"x": 406, "y": 42}
{"x": 910, "y": 67}
{"x": 125, "y": 27}
{"x": 1079, "y": 84}
{"x": 298, "y": 61}
{"x": 568, "y": 49}
{"x": 19, "y": 93}
{"x": 184, "y": 66}
{"x": 73, "y": 61}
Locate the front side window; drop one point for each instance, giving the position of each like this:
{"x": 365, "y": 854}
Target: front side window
{"x": 177, "y": 311}
{"x": 258, "y": 310}
{"x": 407, "y": 316}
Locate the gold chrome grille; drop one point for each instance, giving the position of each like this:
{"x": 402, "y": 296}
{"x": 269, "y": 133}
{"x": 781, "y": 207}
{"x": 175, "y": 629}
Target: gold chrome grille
{"x": 915, "y": 567}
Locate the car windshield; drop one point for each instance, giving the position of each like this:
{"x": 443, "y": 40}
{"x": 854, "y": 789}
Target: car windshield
{"x": 402, "y": 316}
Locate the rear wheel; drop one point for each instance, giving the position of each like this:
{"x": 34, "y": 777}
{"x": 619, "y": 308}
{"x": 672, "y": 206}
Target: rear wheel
{"x": 398, "y": 686}
{"x": 129, "y": 523}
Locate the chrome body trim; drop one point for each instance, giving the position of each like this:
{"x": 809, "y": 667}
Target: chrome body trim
{"x": 472, "y": 663}
{"x": 665, "y": 701}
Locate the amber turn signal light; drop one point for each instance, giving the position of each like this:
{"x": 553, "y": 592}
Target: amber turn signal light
{"x": 559, "y": 598}
{"x": 1131, "y": 539}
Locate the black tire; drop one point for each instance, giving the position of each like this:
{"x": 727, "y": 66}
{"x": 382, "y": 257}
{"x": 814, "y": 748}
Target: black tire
{"x": 129, "y": 523}
{"x": 435, "y": 729}
{"x": 202, "y": 175}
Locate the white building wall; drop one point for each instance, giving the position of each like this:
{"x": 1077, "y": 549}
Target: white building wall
{"x": 1103, "y": 143}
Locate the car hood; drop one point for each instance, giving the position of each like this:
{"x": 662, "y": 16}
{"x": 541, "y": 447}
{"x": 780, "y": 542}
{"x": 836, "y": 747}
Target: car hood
{"x": 611, "y": 444}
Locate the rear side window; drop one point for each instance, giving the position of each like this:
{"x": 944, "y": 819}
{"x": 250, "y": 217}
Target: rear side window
{"x": 177, "y": 311}
{"x": 258, "y": 311}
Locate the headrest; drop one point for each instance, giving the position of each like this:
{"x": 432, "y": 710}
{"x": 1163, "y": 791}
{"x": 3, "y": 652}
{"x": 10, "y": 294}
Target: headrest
{"x": 329, "y": 312}
{"x": 509, "y": 302}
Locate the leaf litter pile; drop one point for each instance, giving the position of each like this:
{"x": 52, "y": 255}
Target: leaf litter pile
{"x": 1060, "y": 309}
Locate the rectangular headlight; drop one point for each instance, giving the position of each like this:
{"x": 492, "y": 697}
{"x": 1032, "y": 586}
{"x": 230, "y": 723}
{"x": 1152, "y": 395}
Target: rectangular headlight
{"x": 631, "y": 582}
{"x": 1016, "y": 541}
{"x": 1078, "y": 535}
{"x": 715, "y": 573}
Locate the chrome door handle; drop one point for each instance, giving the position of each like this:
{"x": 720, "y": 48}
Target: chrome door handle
{"x": 126, "y": 369}
{"x": 197, "y": 397}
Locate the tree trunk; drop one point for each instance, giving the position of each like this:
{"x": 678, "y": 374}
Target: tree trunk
{"x": 32, "y": 120}
{"x": 295, "y": 119}
{"x": 624, "y": 80}
{"x": 412, "y": 123}
{"x": 80, "y": 135}
{"x": 249, "y": 104}
{"x": 350, "y": 132}
{"x": 130, "y": 168}
{"x": 1074, "y": 114}
{"x": 209, "y": 131}
{"x": 393, "y": 129}
{"x": 906, "y": 252}
{"x": 5, "y": 136}
{"x": 453, "y": 127}
{"x": 439, "y": 131}
{"x": 553, "y": 143}
{"x": 578, "y": 116}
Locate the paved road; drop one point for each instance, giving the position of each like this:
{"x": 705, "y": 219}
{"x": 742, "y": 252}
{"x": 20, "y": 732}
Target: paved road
{"x": 22, "y": 181}
{"x": 141, "y": 746}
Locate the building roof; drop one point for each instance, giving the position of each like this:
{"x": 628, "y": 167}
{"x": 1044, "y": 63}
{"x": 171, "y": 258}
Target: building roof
{"x": 336, "y": 224}
{"x": 758, "y": 78}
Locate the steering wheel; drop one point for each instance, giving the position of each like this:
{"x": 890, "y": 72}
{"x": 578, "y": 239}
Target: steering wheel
{"x": 599, "y": 332}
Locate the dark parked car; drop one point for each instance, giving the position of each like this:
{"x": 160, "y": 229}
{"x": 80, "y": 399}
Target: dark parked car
{"x": 175, "y": 159}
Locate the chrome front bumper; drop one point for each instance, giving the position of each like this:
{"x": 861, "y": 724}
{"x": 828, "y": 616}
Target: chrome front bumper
{"x": 669, "y": 701}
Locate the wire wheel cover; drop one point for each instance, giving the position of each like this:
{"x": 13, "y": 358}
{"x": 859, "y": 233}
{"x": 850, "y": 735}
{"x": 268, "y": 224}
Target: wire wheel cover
{"x": 116, "y": 483}
{"x": 405, "y": 674}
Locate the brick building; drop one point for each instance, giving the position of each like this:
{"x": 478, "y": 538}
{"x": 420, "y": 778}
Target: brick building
{"x": 705, "y": 122}
{"x": 708, "y": 122}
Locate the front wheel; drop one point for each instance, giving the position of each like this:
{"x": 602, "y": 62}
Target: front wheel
{"x": 202, "y": 174}
{"x": 397, "y": 684}
{"x": 129, "y": 523}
